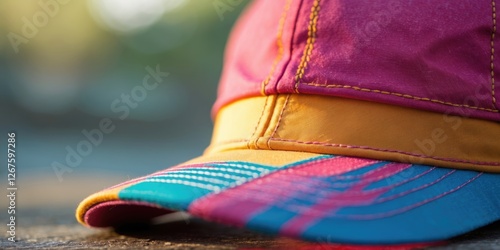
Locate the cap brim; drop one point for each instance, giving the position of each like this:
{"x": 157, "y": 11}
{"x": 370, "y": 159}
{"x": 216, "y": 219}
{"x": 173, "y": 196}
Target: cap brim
{"x": 308, "y": 196}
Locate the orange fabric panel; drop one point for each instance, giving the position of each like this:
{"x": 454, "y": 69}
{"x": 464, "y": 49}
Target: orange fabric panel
{"x": 332, "y": 125}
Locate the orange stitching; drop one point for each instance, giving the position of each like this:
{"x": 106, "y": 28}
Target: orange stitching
{"x": 279, "y": 43}
{"x": 310, "y": 44}
{"x": 367, "y": 148}
{"x": 258, "y": 122}
{"x": 492, "y": 59}
{"x": 387, "y": 150}
{"x": 311, "y": 38}
{"x": 279, "y": 121}
{"x": 400, "y": 95}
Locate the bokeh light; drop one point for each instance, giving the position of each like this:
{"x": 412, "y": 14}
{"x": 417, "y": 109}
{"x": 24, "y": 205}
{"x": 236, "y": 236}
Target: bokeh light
{"x": 130, "y": 16}
{"x": 70, "y": 70}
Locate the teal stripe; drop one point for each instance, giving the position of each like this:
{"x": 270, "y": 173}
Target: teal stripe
{"x": 178, "y": 189}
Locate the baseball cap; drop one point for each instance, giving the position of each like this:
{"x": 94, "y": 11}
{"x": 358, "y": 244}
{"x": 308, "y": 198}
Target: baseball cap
{"x": 365, "y": 122}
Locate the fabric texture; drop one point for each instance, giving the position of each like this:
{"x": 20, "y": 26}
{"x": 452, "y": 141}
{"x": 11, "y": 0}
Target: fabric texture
{"x": 334, "y": 125}
{"x": 323, "y": 198}
{"x": 346, "y": 121}
{"x": 437, "y": 56}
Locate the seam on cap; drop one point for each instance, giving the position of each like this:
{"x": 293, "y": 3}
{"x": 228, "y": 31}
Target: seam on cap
{"x": 258, "y": 123}
{"x": 323, "y": 187}
{"x": 279, "y": 121}
{"x": 308, "y": 211}
{"x": 378, "y": 178}
{"x": 413, "y": 190}
{"x": 407, "y": 208}
{"x": 388, "y": 150}
{"x": 492, "y": 58}
{"x": 375, "y": 178}
{"x": 483, "y": 163}
{"x": 312, "y": 30}
{"x": 279, "y": 43}
{"x": 291, "y": 45}
{"x": 311, "y": 38}
{"x": 400, "y": 95}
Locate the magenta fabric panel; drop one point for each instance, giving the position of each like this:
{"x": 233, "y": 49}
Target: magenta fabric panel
{"x": 421, "y": 54}
{"x": 285, "y": 78}
{"x": 437, "y": 56}
{"x": 251, "y": 51}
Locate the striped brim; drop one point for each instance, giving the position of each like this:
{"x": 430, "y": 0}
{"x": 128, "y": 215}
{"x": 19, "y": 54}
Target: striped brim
{"x": 322, "y": 198}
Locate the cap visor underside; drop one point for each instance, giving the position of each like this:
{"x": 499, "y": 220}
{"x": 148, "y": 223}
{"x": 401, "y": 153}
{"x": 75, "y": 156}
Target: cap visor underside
{"x": 323, "y": 198}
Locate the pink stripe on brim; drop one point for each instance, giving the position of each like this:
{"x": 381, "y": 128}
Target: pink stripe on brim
{"x": 223, "y": 205}
{"x": 331, "y": 166}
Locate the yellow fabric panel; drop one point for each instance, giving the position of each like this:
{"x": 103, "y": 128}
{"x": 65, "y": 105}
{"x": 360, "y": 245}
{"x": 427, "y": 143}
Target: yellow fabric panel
{"x": 237, "y": 130}
{"x": 332, "y": 125}
{"x": 275, "y": 158}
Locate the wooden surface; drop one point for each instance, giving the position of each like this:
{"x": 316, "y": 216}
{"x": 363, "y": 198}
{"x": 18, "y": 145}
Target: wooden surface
{"x": 57, "y": 229}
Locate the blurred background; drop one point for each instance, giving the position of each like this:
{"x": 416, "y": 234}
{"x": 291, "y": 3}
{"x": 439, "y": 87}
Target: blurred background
{"x": 64, "y": 63}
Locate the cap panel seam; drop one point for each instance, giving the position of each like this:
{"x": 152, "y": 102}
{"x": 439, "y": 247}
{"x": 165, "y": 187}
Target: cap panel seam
{"x": 279, "y": 43}
{"x": 264, "y": 122}
{"x": 312, "y": 34}
{"x": 311, "y": 38}
{"x": 486, "y": 163}
{"x": 279, "y": 121}
{"x": 258, "y": 123}
{"x": 286, "y": 63}
{"x": 492, "y": 58}
{"x": 425, "y": 99}
{"x": 387, "y": 150}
